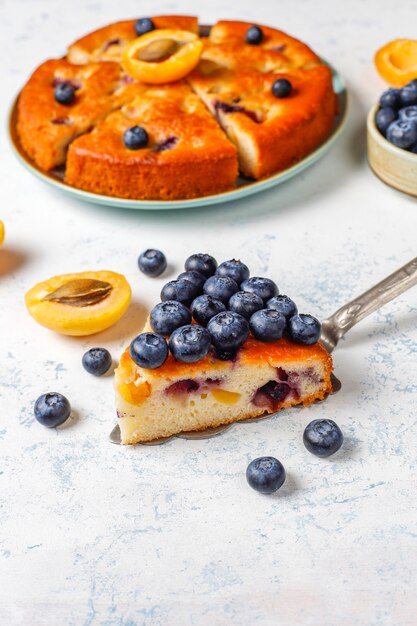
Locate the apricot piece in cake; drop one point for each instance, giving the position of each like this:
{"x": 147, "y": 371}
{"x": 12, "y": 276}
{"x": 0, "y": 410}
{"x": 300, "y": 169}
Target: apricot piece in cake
{"x": 162, "y": 56}
{"x": 78, "y": 304}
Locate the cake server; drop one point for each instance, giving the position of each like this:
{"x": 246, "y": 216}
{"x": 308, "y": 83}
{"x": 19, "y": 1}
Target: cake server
{"x": 332, "y": 330}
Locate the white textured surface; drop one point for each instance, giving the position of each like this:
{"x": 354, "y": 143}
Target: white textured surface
{"x": 95, "y": 534}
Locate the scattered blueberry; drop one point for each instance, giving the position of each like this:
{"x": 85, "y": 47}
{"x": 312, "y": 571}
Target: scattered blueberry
{"x": 323, "y": 437}
{"x": 254, "y": 35}
{"x": 194, "y": 277}
{"x": 203, "y": 263}
{"x": 263, "y": 287}
{"x": 64, "y": 93}
{"x": 205, "y": 307}
{"x": 304, "y": 329}
{"x": 390, "y": 98}
{"x": 283, "y": 304}
{"x": 152, "y": 262}
{"x": 402, "y": 133}
{"x": 228, "y": 331}
{"x": 220, "y": 287}
{"x": 190, "y": 343}
{"x": 281, "y": 88}
{"x": 135, "y": 137}
{"x": 52, "y": 409}
{"x": 234, "y": 269}
{"x": 97, "y": 361}
{"x": 265, "y": 474}
{"x": 245, "y": 303}
{"x": 149, "y": 350}
{"x": 167, "y": 316}
{"x": 267, "y": 325}
{"x": 384, "y": 118}
{"x": 408, "y": 95}
{"x": 179, "y": 290}
{"x": 408, "y": 113}
{"x": 144, "y": 25}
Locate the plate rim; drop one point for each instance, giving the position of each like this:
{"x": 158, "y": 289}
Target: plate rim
{"x": 244, "y": 191}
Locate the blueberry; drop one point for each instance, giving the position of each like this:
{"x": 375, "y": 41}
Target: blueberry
{"x": 135, "y": 137}
{"x": 97, "y": 361}
{"x": 267, "y": 325}
{"x": 203, "y": 263}
{"x": 384, "y": 118}
{"x": 64, "y": 93}
{"x": 265, "y": 474}
{"x": 402, "y": 134}
{"x": 413, "y": 149}
{"x": 149, "y": 350}
{"x": 263, "y": 287}
{"x": 245, "y": 303}
{"x": 254, "y": 35}
{"x": 52, "y": 409}
{"x": 205, "y": 307}
{"x": 152, "y": 262}
{"x": 304, "y": 329}
{"x": 323, "y": 437}
{"x": 228, "y": 331}
{"x": 390, "y": 98}
{"x": 283, "y": 304}
{"x": 234, "y": 269}
{"x": 167, "y": 316}
{"x": 281, "y": 88}
{"x": 408, "y": 113}
{"x": 408, "y": 95}
{"x": 412, "y": 83}
{"x": 220, "y": 287}
{"x": 179, "y": 290}
{"x": 144, "y": 25}
{"x": 194, "y": 277}
{"x": 190, "y": 343}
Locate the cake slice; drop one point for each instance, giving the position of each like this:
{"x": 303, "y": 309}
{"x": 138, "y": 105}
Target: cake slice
{"x": 263, "y": 378}
{"x": 187, "y": 154}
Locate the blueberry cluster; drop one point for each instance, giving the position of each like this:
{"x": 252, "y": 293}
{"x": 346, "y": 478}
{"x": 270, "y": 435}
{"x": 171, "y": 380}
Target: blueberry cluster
{"x": 226, "y": 305}
{"x": 396, "y": 118}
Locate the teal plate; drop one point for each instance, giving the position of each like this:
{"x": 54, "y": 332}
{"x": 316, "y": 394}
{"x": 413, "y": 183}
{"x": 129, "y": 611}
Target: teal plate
{"x": 245, "y": 187}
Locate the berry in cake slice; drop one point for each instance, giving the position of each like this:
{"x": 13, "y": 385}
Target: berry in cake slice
{"x": 163, "y": 144}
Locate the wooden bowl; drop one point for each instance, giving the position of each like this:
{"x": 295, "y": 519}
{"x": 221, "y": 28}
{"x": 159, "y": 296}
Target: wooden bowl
{"x": 395, "y": 166}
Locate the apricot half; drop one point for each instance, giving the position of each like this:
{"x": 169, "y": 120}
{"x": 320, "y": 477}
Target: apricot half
{"x": 79, "y": 304}
{"x": 1, "y": 232}
{"x": 162, "y": 56}
{"x": 396, "y": 62}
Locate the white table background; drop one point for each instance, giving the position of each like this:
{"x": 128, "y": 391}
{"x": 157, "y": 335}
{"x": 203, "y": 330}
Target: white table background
{"x": 96, "y": 534}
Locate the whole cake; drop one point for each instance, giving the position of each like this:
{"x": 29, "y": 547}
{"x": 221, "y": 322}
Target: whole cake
{"x": 148, "y": 109}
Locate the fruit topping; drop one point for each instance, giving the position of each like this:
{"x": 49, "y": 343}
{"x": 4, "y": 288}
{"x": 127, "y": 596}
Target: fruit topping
{"x": 265, "y": 474}
{"x": 205, "y": 307}
{"x": 220, "y": 287}
{"x": 169, "y": 315}
{"x": 384, "y": 117}
{"x": 267, "y": 325}
{"x": 52, "y": 409}
{"x": 162, "y": 55}
{"x": 304, "y": 329}
{"x": 135, "y": 137}
{"x": 396, "y": 62}
{"x": 283, "y": 304}
{"x": 281, "y": 88}
{"x": 180, "y": 290}
{"x": 190, "y": 343}
{"x": 254, "y": 35}
{"x": 245, "y": 303}
{"x": 79, "y": 304}
{"x": 228, "y": 331}
{"x": 323, "y": 437}
{"x": 391, "y": 98}
{"x": 144, "y": 25}
{"x": 203, "y": 263}
{"x": 64, "y": 93}
{"x": 149, "y": 350}
{"x": 152, "y": 262}
{"x": 97, "y": 361}
{"x": 194, "y": 277}
{"x": 234, "y": 269}
{"x": 402, "y": 133}
{"x": 263, "y": 287}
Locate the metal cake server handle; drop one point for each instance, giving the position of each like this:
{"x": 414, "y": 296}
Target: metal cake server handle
{"x": 337, "y": 325}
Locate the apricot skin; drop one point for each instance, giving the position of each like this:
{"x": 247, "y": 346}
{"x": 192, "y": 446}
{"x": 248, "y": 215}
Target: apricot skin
{"x": 79, "y": 321}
